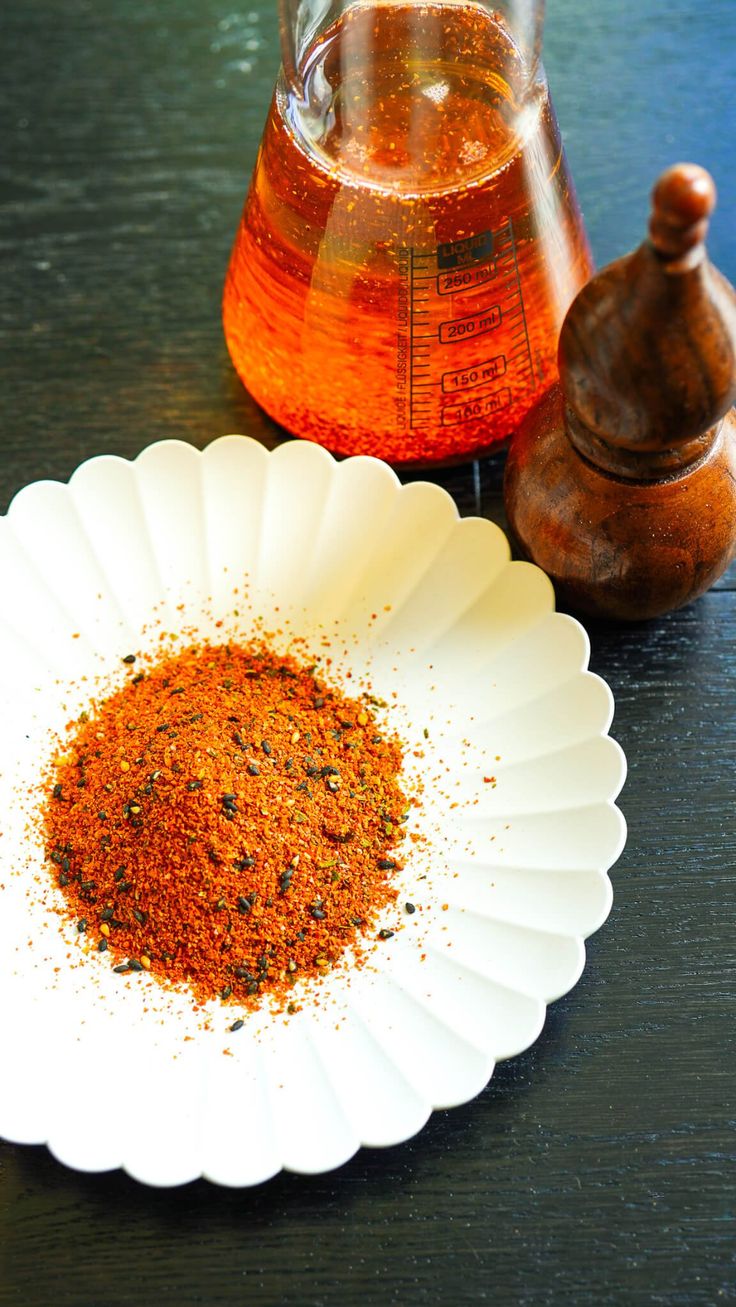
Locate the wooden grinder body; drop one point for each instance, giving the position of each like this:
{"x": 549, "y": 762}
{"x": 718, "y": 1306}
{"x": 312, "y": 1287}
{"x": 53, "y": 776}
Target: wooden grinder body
{"x": 621, "y": 483}
{"x": 623, "y": 549}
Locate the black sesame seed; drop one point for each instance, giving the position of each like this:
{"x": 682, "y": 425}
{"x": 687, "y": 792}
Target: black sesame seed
{"x": 194, "y": 785}
{"x": 317, "y": 913}
{"x": 57, "y": 791}
{"x": 237, "y": 1025}
{"x": 106, "y": 914}
{"x": 338, "y": 837}
{"x": 239, "y": 864}
{"x": 119, "y": 873}
{"x": 386, "y": 864}
{"x": 134, "y": 964}
{"x": 266, "y": 747}
{"x": 385, "y": 934}
{"x": 102, "y": 946}
{"x": 253, "y": 769}
{"x": 121, "y": 969}
{"x": 409, "y": 907}
{"x": 82, "y": 925}
{"x": 226, "y": 991}
{"x": 253, "y": 987}
{"x": 63, "y": 878}
{"x": 129, "y": 658}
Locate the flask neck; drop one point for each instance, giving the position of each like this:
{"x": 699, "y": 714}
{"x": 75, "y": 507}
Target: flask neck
{"x": 304, "y": 23}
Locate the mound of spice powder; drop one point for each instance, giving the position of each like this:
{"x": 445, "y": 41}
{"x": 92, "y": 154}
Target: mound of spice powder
{"x": 227, "y": 820}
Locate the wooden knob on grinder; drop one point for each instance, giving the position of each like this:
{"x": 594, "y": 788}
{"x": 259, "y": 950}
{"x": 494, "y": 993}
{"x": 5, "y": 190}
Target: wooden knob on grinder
{"x": 647, "y": 351}
{"x": 682, "y": 202}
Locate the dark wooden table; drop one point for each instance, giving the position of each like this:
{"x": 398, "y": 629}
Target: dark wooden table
{"x": 599, "y": 1166}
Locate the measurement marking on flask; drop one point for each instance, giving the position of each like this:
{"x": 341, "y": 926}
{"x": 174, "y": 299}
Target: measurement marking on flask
{"x": 469, "y": 378}
{"x": 465, "y": 280}
{"x": 463, "y": 297}
{"x": 481, "y": 406}
{"x": 477, "y": 324}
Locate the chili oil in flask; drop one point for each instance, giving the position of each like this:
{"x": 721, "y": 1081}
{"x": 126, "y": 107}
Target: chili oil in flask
{"x": 411, "y": 239}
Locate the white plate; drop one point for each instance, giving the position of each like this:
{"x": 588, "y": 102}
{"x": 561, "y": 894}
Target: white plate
{"x": 429, "y": 607}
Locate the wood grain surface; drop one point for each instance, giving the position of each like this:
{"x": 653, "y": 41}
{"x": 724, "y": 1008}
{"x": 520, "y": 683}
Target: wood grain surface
{"x": 598, "y": 1167}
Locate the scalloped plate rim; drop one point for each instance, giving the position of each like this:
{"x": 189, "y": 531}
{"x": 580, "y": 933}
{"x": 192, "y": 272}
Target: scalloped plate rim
{"x": 281, "y": 452}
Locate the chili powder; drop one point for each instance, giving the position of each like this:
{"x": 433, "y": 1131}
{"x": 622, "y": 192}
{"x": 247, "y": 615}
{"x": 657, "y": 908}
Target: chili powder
{"x": 228, "y": 820}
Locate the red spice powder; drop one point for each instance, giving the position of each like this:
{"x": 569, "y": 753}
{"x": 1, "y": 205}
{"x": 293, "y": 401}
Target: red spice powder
{"x": 227, "y": 820}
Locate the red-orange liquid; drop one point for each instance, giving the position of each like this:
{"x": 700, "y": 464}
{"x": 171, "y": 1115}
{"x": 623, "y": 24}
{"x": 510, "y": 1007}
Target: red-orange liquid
{"x": 410, "y": 242}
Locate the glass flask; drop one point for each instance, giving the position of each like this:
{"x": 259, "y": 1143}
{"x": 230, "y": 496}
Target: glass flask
{"x": 411, "y": 239}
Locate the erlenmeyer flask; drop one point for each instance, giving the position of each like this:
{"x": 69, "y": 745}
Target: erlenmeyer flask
{"x": 411, "y": 239}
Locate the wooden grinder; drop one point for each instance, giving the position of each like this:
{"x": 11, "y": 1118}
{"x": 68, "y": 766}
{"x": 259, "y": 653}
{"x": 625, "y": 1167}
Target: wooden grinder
{"x": 621, "y": 483}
